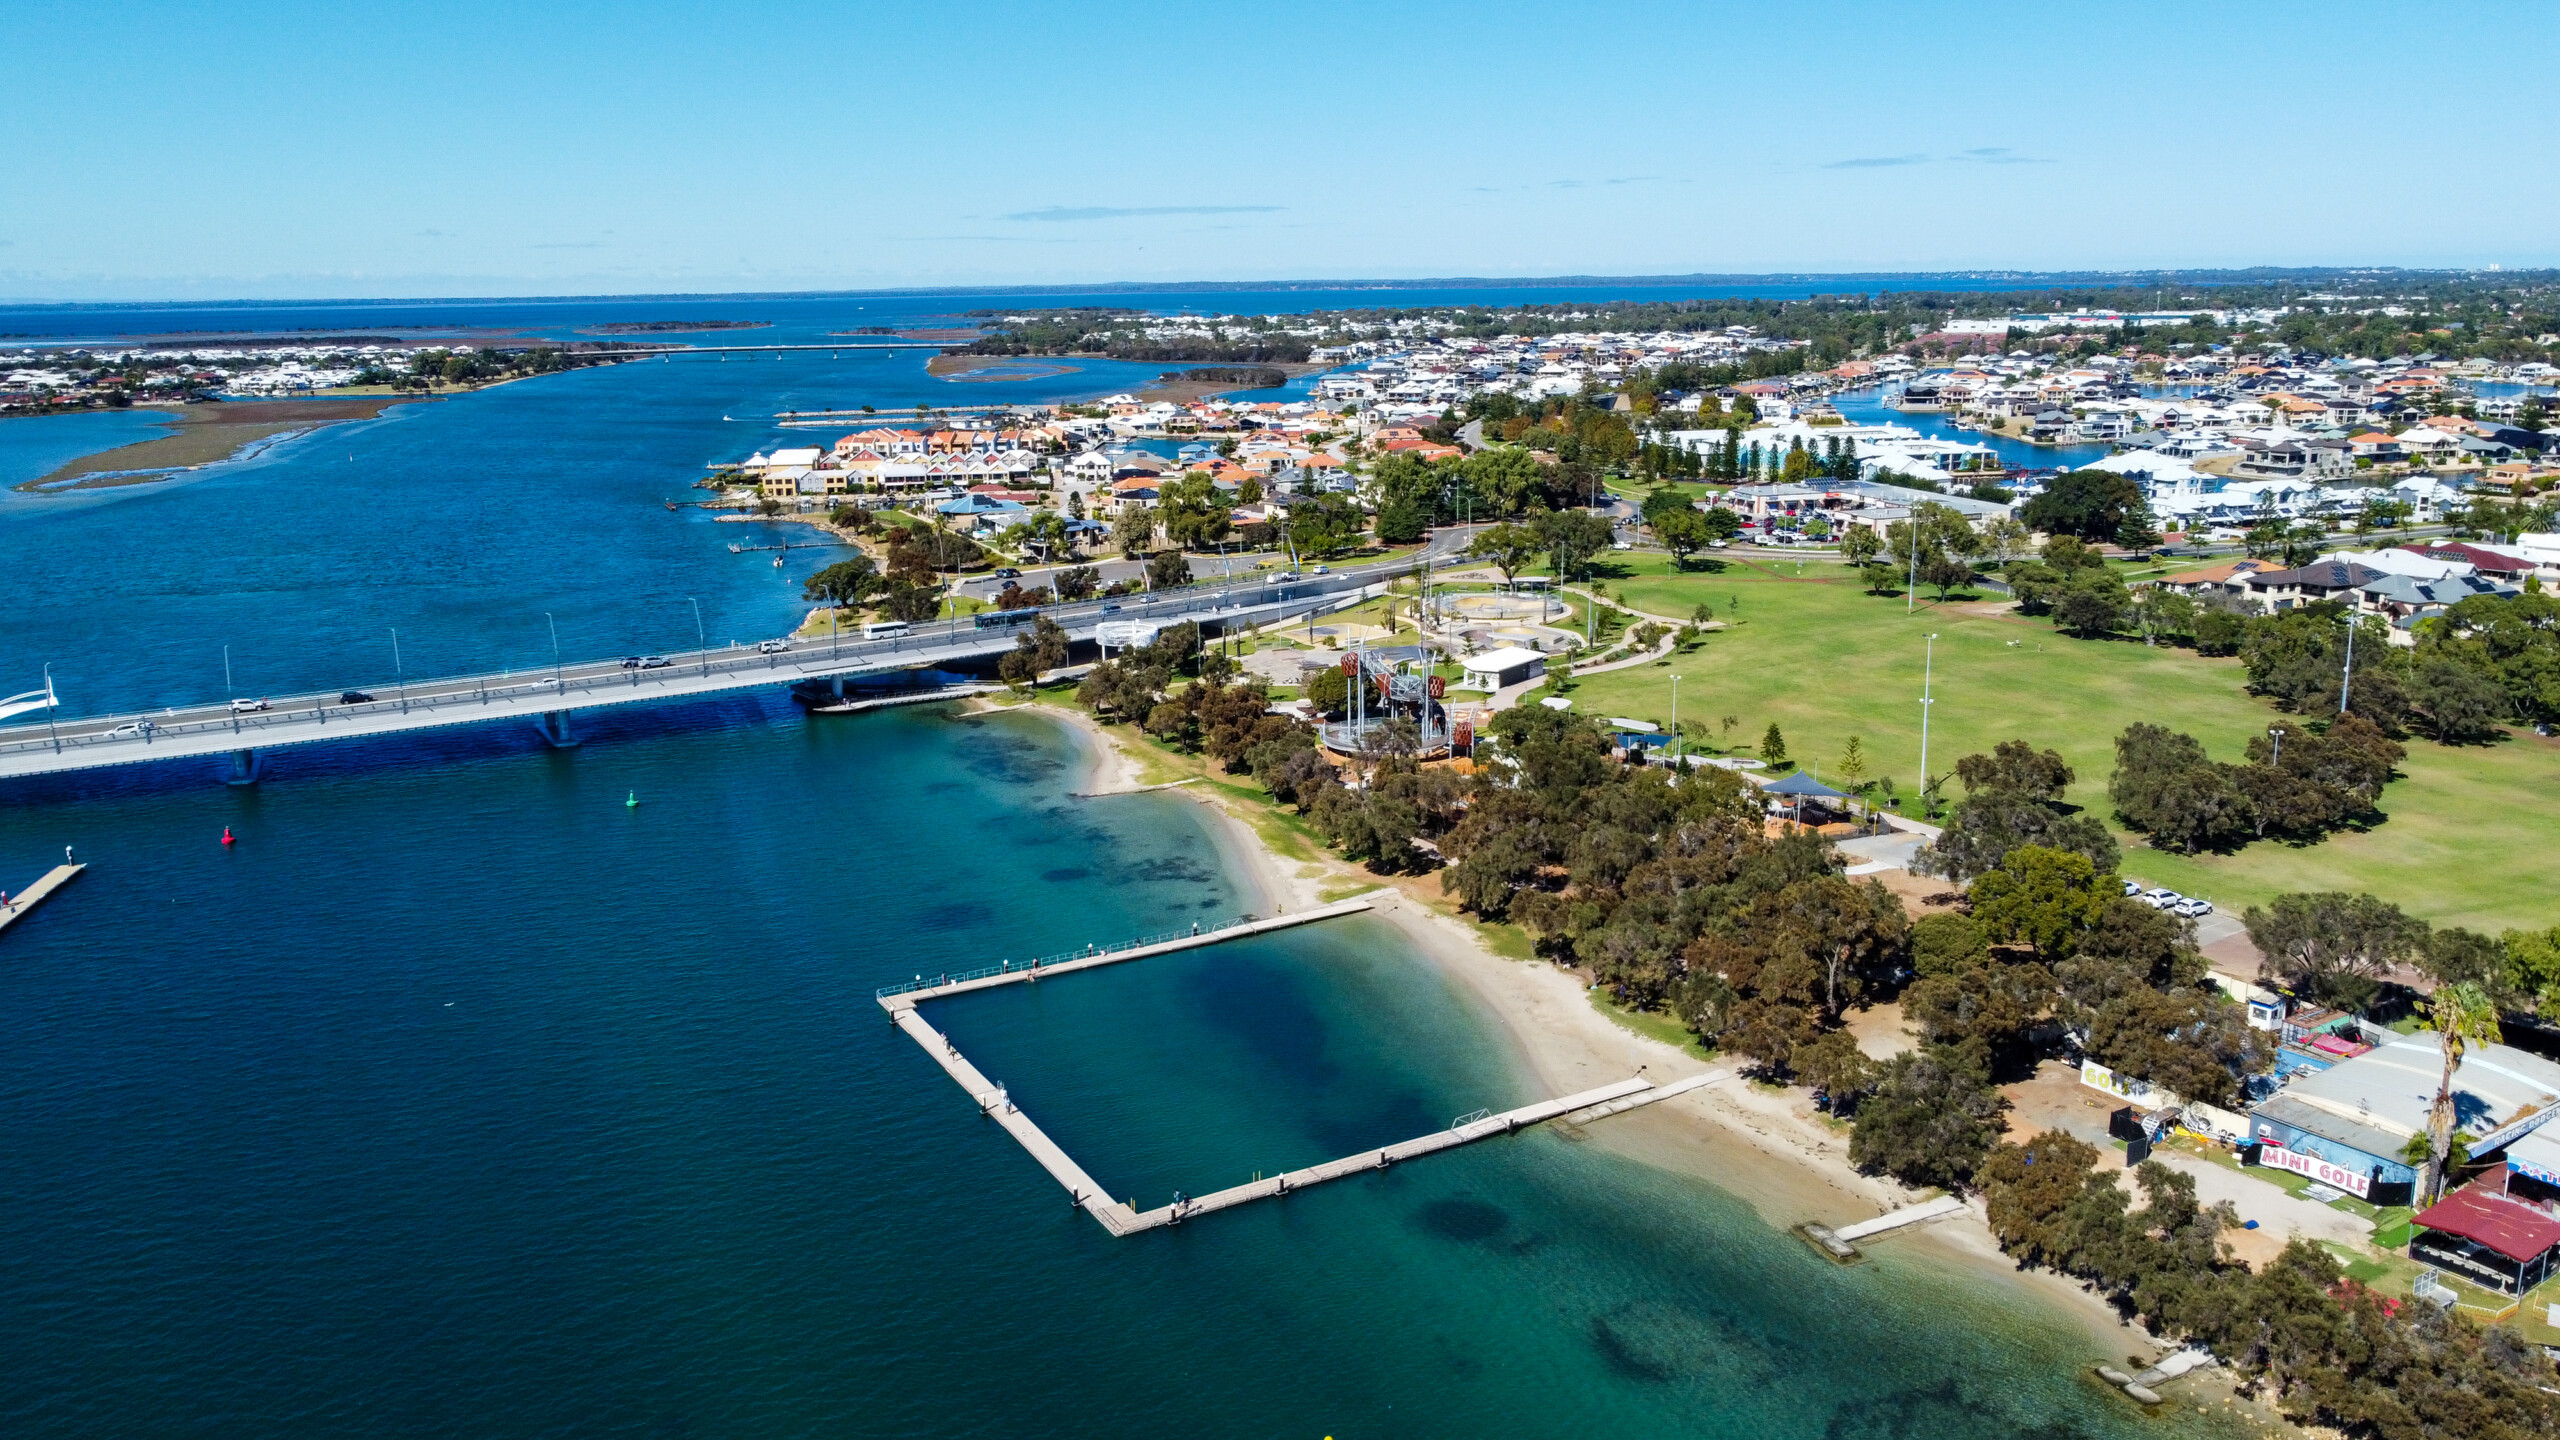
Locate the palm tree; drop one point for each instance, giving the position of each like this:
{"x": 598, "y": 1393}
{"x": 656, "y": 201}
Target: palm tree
{"x": 2464, "y": 1016}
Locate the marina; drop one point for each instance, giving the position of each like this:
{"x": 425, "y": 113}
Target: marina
{"x": 15, "y": 907}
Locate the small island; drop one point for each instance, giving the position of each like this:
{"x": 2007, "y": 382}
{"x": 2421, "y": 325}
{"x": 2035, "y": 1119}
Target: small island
{"x": 672, "y": 327}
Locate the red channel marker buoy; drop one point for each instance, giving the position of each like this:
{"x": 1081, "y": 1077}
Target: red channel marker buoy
{"x": 226, "y": 834}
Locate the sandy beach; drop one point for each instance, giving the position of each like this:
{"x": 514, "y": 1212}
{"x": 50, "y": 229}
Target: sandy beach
{"x": 1762, "y": 1143}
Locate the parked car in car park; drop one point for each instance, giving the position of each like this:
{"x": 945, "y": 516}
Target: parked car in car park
{"x": 2161, "y": 899}
{"x": 2132, "y": 888}
{"x": 2193, "y": 908}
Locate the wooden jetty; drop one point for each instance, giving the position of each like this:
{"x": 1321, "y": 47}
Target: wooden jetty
{"x": 34, "y": 895}
{"x": 1087, "y": 1194}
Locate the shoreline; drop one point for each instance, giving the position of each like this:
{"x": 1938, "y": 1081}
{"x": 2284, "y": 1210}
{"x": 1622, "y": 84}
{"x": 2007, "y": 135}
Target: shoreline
{"x": 1759, "y": 1143}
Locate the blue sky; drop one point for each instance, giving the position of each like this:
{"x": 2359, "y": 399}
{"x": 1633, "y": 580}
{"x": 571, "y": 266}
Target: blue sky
{"x": 530, "y": 148}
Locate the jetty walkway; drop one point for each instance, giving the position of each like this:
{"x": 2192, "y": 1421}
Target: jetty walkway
{"x": 1087, "y": 1194}
{"x": 34, "y": 895}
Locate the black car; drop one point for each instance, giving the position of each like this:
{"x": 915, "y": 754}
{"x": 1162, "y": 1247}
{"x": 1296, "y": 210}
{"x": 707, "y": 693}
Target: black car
{"x": 355, "y": 697}
{"x": 1007, "y": 572}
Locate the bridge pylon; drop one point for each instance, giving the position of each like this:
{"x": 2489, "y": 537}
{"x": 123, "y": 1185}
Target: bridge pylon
{"x": 554, "y": 726}
{"x": 245, "y": 768}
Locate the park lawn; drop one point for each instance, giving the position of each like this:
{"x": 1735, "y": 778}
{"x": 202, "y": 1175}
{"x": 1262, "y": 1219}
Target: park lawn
{"x": 2465, "y": 827}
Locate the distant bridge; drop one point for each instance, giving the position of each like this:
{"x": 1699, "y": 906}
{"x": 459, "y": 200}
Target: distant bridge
{"x": 547, "y": 698}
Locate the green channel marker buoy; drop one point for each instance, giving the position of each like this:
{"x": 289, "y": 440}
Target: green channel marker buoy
{"x": 631, "y": 801}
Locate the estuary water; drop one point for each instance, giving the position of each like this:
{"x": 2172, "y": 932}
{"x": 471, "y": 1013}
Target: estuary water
{"x": 464, "y": 1095}
{"x": 461, "y": 1096}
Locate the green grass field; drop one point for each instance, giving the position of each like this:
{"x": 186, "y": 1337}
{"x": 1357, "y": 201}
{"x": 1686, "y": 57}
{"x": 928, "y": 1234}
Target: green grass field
{"x": 2467, "y": 833}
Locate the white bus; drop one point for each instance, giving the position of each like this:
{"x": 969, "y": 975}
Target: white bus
{"x": 883, "y": 629}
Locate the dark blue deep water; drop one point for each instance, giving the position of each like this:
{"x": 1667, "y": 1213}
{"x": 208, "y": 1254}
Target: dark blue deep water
{"x": 460, "y": 1097}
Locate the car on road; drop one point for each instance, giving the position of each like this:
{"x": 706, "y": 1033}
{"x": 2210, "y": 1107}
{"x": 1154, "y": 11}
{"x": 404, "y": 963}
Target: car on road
{"x": 655, "y": 662}
{"x": 1324, "y": 569}
{"x": 630, "y": 662}
{"x": 2193, "y": 908}
{"x": 1110, "y": 608}
{"x": 355, "y": 697}
{"x": 772, "y": 647}
{"x": 133, "y": 731}
{"x": 1007, "y": 572}
{"x": 247, "y": 707}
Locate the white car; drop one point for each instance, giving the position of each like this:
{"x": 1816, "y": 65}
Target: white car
{"x": 772, "y": 647}
{"x": 133, "y": 731}
{"x": 2132, "y": 889}
{"x": 247, "y": 707}
{"x": 2193, "y": 908}
{"x": 2161, "y": 899}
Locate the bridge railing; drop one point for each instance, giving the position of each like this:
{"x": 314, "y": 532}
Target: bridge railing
{"x": 1032, "y": 966}
{"x": 302, "y": 713}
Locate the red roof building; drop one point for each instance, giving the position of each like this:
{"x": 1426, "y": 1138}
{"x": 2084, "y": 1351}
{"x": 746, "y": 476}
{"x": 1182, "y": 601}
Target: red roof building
{"x": 2488, "y": 1238}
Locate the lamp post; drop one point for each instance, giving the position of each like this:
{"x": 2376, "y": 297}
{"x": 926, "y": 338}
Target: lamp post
{"x": 50, "y": 705}
{"x": 2349, "y": 678}
{"x": 399, "y": 675}
{"x": 228, "y": 694}
{"x": 1911, "y": 592}
{"x": 2276, "y": 733}
{"x": 1928, "y": 671}
{"x": 701, "y": 641}
{"x": 1678, "y": 749}
{"x": 559, "y": 681}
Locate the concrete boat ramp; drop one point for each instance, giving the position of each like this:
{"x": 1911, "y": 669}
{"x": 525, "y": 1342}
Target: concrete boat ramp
{"x": 1086, "y": 1194}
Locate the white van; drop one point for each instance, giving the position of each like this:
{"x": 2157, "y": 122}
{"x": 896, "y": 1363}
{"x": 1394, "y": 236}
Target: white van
{"x": 883, "y": 629}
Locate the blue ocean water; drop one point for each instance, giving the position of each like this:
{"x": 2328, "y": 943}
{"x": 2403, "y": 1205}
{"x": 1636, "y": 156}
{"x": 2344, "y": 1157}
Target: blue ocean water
{"x": 1867, "y": 407}
{"x": 460, "y": 1097}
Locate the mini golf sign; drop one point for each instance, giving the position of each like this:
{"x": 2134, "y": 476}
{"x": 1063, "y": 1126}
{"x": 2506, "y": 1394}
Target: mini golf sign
{"x": 2337, "y": 1177}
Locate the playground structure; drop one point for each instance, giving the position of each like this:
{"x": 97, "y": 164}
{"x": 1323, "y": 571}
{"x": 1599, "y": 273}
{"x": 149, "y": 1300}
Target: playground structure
{"x": 1391, "y": 686}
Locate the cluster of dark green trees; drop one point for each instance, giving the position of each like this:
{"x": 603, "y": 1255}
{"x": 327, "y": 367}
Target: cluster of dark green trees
{"x": 2334, "y": 1353}
{"x": 1121, "y": 335}
{"x": 2297, "y": 782}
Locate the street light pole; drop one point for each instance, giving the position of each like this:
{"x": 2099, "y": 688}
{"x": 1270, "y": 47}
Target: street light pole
{"x": 701, "y": 641}
{"x": 2276, "y": 733}
{"x": 1678, "y": 750}
{"x": 559, "y": 681}
{"x": 399, "y": 675}
{"x": 50, "y": 705}
{"x": 229, "y": 695}
{"x": 1928, "y": 672}
{"x": 2350, "y": 677}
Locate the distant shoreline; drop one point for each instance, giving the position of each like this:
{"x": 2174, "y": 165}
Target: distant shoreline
{"x": 202, "y": 435}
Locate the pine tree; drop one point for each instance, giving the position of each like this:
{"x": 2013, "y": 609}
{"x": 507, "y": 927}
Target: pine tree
{"x": 1853, "y": 763}
{"x": 1773, "y": 747}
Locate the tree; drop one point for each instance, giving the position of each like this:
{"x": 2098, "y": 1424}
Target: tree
{"x": 1133, "y": 530}
{"x": 1168, "y": 570}
{"x": 2003, "y": 539}
{"x": 2092, "y": 603}
{"x": 1076, "y": 582}
{"x": 1570, "y": 538}
{"x": 1329, "y": 690}
{"x": 2463, "y": 1016}
{"x": 1930, "y": 1119}
{"x": 1683, "y": 532}
{"x": 1403, "y": 521}
{"x": 1853, "y": 763}
{"x": 2088, "y": 504}
{"x": 2459, "y": 703}
{"x": 1860, "y": 545}
{"x": 2042, "y": 897}
{"x": 2163, "y": 784}
{"x": 1325, "y": 525}
{"x": 2018, "y": 766}
{"x": 2332, "y": 946}
{"x": 1507, "y": 547}
{"x": 1194, "y": 515}
{"x": 1505, "y": 475}
{"x": 847, "y": 582}
{"x": 1773, "y": 747}
{"x": 1722, "y": 524}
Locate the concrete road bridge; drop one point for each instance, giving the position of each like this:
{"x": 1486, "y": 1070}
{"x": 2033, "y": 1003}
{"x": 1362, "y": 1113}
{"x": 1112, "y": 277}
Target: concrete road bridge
{"x": 549, "y": 698}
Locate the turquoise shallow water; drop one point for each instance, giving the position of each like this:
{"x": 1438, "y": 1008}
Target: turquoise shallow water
{"x": 458, "y": 1097}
